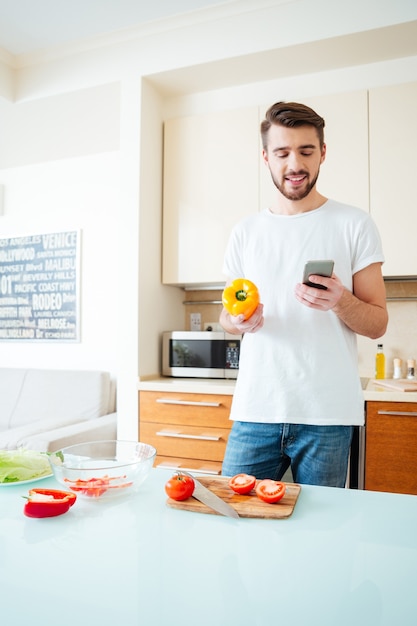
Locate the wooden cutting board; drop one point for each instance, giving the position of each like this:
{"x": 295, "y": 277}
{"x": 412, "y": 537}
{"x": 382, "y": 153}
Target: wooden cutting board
{"x": 247, "y": 506}
{"x": 398, "y": 385}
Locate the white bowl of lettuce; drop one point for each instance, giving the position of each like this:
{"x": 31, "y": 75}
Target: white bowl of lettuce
{"x": 23, "y": 466}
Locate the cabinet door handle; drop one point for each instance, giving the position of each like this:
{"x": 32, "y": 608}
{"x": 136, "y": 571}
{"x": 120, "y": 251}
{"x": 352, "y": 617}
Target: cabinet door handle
{"x": 186, "y": 402}
{"x": 196, "y": 470}
{"x": 402, "y": 413}
{"x": 178, "y": 434}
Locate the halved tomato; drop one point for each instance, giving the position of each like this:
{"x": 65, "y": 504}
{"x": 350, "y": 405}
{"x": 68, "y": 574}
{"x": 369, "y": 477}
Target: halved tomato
{"x": 270, "y": 490}
{"x": 242, "y": 483}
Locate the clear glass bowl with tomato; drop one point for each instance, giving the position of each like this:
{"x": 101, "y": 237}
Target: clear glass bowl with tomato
{"x": 103, "y": 469}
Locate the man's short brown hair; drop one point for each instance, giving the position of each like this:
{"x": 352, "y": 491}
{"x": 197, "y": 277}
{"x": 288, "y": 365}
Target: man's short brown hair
{"x": 291, "y": 114}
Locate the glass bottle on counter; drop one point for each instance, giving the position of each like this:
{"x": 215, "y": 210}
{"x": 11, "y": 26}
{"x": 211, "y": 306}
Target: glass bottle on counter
{"x": 380, "y": 362}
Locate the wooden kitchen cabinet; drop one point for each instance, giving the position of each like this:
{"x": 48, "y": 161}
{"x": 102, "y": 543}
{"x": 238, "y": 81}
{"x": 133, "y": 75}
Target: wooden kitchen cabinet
{"x": 391, "y": 447}
{"x": 392, "y": 140}
{"x": 188, "y": 430}
{"x": 210, "y": 183}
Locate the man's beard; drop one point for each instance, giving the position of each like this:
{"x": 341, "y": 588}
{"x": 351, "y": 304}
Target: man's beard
{"x": 296, "y": 194}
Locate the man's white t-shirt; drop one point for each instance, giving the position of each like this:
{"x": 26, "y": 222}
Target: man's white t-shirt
{"x": 302, "y": 366}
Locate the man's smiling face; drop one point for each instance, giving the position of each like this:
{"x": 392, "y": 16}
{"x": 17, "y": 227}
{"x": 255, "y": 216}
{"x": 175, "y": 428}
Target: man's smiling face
{"x": 294, "y": 156}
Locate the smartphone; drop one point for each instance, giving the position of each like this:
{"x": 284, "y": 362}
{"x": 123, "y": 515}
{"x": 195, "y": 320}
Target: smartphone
{"x": 321, "y": 268}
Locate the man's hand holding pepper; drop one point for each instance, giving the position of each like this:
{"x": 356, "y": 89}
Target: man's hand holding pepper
{"x": 238, "y": 325}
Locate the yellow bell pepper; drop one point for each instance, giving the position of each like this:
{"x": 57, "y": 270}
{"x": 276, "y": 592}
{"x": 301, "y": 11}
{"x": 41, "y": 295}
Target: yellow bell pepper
{"x": 241, "y": 297}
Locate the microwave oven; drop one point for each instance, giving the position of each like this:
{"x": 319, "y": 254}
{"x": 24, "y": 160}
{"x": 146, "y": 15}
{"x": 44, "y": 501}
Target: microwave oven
{"x": 200, "y": 354}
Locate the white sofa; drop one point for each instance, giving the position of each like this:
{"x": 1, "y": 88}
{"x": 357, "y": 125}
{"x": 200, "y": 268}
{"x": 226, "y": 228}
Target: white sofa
{"x": 46, "y": 410}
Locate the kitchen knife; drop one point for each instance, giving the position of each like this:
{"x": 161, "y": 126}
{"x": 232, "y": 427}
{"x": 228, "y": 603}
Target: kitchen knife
{"x": 210, "y": 499}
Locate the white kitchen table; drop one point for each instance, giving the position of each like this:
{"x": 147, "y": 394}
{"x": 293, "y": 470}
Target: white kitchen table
{"x": 344, "y": 557}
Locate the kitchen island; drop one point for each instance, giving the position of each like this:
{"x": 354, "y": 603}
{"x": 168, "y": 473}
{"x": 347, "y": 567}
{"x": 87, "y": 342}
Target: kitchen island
{"x": 344, "y": 557}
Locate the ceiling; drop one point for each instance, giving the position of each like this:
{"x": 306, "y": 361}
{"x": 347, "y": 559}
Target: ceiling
{"x": 27, "y": 26}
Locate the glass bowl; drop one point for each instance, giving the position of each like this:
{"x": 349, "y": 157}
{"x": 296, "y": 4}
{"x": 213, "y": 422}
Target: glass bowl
{"x": 103, "y": 469}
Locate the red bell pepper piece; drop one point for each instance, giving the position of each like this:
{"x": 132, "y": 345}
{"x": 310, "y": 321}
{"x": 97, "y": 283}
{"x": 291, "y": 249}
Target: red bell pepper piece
{"x": 48, "y": 502}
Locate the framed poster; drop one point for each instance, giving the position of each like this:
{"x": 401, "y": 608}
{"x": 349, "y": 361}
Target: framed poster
{"x": 40, "y": 287}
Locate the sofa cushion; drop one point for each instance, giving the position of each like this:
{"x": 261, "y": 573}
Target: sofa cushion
{"x": 91, "y": 430}
{"x": 14, "y": 438}
{"x": 61, "y": 395}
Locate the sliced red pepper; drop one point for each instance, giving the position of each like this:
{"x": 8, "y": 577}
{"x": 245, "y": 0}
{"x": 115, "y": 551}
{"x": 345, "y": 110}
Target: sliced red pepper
{"x": 48, "y": 502}
{"x": 95, "y": 487}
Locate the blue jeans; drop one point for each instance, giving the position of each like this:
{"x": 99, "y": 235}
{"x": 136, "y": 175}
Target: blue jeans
{"x": 318, "y": 455}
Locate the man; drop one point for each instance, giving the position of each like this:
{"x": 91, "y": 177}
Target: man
{"x": 298, "y": 393}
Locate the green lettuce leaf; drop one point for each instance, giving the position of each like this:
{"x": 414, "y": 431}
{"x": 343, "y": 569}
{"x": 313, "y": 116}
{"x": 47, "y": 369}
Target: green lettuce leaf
{"x": 18, "y": 465}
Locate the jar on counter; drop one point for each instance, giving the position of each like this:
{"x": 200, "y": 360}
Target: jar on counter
{"x": 397, "y": 368}
{"x": 411, "y": 369}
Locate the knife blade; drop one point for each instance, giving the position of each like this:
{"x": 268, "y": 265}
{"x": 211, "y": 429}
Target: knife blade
{"x": 211, "y": 500}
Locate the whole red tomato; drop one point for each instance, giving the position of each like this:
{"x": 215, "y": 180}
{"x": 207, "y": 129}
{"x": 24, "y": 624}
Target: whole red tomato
{"x": 242, "y": 483}
{"x": 270, "y": 490}
{"x": 180, "y": 486}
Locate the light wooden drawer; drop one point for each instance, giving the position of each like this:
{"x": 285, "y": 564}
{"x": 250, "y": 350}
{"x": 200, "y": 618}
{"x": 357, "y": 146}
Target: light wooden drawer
{"x": 191, "y": 442}
{"x": 192, "y": 409}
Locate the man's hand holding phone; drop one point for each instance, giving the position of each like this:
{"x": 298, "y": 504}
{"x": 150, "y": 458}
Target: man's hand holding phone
{"x": 317, "y": 268}
{"x": 321, "y": 295}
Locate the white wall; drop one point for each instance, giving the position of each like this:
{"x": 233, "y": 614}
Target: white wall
{"x": 60, "y": 167}
{"x": 85, "y": 121}
{"x": 7, "y": 76}
{"x": 160, "y": 307}
{"x": 68, "y": 194}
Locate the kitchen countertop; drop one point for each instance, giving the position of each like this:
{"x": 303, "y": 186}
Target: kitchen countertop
{"x": 372, "y": 391}
{"x": 187, "y": 385}
{"x": 375, "y": 392}
{"x": 344, "y": 557}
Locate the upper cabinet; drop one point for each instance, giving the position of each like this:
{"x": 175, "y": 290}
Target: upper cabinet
{"x": 344, "y": 173}
{"x": 214, "y": 175}
{"x": 393, "y": 165}
{"x": 210, "y": 182}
